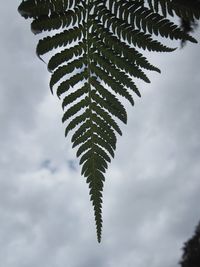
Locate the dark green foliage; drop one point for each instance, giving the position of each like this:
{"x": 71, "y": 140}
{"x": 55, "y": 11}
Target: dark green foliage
{"x": 95, "y": 67}
{"x": 191, "y": 250}
{"x": 189, "y": 24}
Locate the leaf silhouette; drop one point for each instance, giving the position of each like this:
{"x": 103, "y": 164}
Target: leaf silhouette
{"x": 95, "y": 67}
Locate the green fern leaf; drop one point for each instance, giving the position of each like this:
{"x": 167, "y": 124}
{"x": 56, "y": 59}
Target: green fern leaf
{"x": 94, "y": 63}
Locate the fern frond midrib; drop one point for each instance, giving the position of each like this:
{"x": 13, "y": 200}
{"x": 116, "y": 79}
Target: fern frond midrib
{"x": 96, "y": 190}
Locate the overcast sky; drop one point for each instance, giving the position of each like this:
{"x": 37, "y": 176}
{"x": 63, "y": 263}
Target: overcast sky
{"x": 151, "y": 193}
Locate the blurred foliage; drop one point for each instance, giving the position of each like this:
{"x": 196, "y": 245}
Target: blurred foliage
{"x": 191, "y": 250}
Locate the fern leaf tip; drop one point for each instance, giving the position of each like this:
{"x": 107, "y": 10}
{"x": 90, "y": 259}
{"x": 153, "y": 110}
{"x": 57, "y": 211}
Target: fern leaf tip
{"x": 99, "y": 239}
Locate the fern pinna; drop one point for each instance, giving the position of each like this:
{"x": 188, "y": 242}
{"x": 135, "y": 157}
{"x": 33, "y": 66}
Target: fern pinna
{"x": 95, "y": 66}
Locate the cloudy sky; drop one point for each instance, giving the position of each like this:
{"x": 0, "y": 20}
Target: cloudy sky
{"x": 151, "y": 193}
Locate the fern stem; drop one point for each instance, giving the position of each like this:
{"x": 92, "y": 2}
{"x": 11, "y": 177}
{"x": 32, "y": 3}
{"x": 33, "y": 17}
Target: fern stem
{"x": 94, "y": 187}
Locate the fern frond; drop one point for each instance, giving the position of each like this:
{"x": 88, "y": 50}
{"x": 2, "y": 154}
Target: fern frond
{"x": 188, "y": 10}
{"x": 94, "y": 63}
